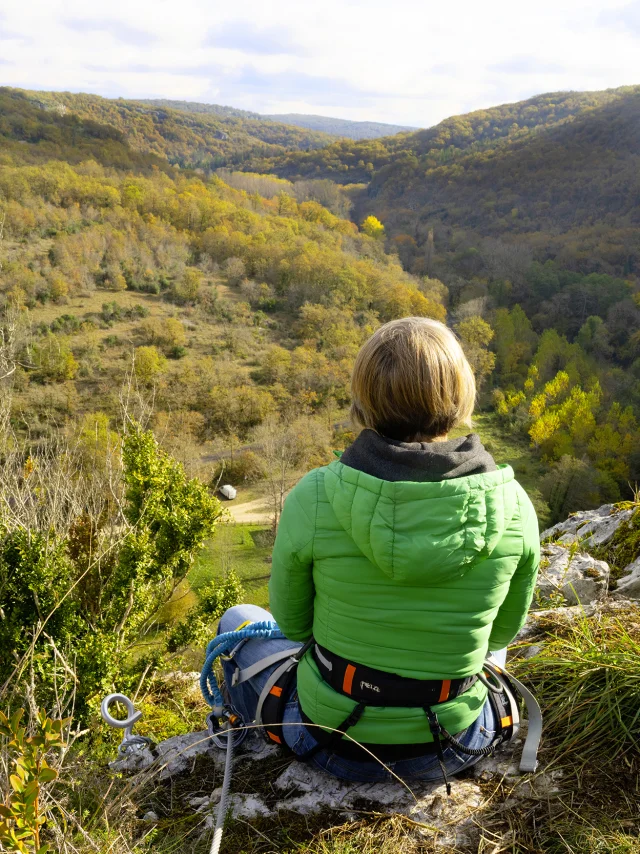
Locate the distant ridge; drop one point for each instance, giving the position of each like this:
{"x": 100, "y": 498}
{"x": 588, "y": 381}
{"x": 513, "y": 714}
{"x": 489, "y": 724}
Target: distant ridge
{"x": 322, "y": 124}
{"x": 340, "y": 127}
{"x": 197, "y": 107}
{"x": 192, "y": 136}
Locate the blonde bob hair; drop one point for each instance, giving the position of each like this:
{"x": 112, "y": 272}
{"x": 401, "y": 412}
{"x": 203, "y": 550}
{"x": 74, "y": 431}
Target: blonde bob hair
{"x": 411, "y": 379}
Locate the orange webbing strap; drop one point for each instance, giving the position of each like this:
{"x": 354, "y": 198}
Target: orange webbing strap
{"x": 347, "y": 683}
{"x": 444, "y": 691}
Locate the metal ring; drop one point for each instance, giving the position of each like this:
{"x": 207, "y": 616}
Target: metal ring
{"x": 491, "y": 686}
{"x": 126, "y": 723}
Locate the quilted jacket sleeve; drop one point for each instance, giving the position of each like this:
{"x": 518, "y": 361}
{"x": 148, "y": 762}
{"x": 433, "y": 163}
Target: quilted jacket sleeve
{"x": 513, "y": 611}
{"x": 291, "y": 591}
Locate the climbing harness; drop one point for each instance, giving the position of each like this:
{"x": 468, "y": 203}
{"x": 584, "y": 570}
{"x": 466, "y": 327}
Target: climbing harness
{"x": 129, "y": 741}
{"x": 368, "y": 686}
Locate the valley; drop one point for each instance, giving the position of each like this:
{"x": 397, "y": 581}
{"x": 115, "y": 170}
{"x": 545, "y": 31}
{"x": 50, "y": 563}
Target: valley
{"x": 184, "y": 288}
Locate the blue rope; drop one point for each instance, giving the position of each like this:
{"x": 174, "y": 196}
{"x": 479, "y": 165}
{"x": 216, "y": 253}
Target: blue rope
{"x": 224, "y": 643}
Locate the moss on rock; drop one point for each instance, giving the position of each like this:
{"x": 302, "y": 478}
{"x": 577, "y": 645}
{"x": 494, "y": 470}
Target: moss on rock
{"x": 623, "y": 548}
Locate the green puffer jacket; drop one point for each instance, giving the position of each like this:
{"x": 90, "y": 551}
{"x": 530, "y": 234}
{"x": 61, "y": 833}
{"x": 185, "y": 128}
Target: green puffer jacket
{"x": 419, "y": 579}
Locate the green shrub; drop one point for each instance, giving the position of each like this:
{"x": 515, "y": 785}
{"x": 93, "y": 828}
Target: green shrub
{"x": 22, "y": 815}
{"x": 246, "y": 467}
{"x": 90, "y": 591}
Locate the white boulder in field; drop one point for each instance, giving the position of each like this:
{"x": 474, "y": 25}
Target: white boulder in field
{"x": 228, "y": 491}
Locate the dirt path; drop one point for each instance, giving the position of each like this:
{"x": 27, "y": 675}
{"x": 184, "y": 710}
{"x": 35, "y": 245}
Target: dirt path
{"x": 255, "y": 512}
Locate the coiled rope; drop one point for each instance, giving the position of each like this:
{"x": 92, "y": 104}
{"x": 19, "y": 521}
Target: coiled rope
{"x": 222, "y": 644}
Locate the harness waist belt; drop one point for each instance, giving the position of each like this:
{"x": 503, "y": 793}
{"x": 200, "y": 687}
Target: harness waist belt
{"x": 380, "y": 688}
{"x": 347, "y": 749}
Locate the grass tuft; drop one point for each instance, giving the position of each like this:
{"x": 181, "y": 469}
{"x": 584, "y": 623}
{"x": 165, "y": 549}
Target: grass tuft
{"x": 586, "y": 676}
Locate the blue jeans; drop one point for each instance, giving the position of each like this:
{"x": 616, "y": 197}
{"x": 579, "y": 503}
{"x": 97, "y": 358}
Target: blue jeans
{"x": 244, "y": 698}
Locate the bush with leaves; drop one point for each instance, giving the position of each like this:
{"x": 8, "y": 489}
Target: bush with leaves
{"x": 91, "y": 586}
{"x": 214, "y": 601}
{"x": 246, "y": 467}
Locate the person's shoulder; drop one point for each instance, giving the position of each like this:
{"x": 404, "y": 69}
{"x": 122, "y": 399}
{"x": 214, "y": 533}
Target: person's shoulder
{"x": 310, "y": 481}
{"x": 523, "y": 496}
{"x": 304, "y": 494}
{"x": 528, "y": 515}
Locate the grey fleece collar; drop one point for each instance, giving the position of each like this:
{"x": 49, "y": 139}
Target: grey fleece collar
{"x": 388, "y": 459}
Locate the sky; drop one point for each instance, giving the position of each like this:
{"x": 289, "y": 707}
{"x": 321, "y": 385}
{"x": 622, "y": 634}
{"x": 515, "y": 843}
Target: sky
{"x": 408, "y": 62}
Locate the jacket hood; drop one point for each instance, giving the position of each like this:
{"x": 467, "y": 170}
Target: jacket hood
{"x": 410, "y": 530}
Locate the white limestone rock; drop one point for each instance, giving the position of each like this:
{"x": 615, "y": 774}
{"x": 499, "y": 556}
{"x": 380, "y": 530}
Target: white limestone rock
{"x": 629, "y": 585}
{"x": 579, "y": 577}
{"x": 450, "y": 820}
{"x": 589, "y": 527}
{"x": 240, "y": 804}
{"x": 535, "y": 619}
{"x": 170, "y": 757}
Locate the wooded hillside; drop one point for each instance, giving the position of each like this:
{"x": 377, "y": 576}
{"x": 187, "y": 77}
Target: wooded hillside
{"x": 349, "y": 162}
{"x": 231, "y": 306}
{"x": 241, "y": 297}
{"x": 189, "y": 139}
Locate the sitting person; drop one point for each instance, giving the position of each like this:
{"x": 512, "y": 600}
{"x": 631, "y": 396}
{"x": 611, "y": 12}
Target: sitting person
{"x": 411, "y": 556}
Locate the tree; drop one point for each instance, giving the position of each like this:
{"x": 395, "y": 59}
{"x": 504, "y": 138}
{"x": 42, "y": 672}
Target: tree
{"x": 563, "y": 417}
{"x": 571, "y": 485}
{"x": 59, "y": 288}
{"x": 149, "y": 364}
{"x": 613, "y": 443}
{"x": 118, "y": 282}
{"x": 514, "y": 343}
{"x": 53, "y": 359}
{"x": 237, "y": 409}
{"x": 429, "y": 253}
{"x": 167, "y": 332}
{"x": 593, "y": 337}
{"x": 98, "y": 445}
{"x": 287, "y": 447}
{"x": 373, "y": 227}
{"x": 475, "y": 334}
{"x": 187, "y": 288}
{"x": 235, "y": 270}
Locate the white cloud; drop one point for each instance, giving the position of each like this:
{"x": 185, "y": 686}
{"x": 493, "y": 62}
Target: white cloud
{"x": 410, "y": 61}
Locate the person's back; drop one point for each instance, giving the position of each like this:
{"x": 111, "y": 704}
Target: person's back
{"x": 401, "y": 564}
{"x": 414, "y": 578}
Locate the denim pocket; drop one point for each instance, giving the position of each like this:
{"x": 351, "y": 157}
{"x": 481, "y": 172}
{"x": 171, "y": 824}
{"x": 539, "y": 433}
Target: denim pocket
{"x": 298, "y": 745}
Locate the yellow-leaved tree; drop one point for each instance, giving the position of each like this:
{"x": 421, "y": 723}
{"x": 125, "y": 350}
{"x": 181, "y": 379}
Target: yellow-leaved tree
{"x": 373, "y": 227}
